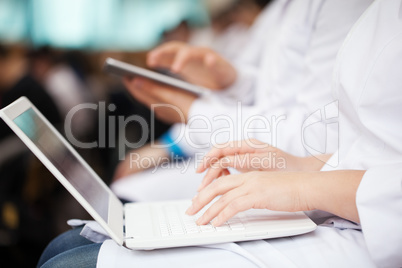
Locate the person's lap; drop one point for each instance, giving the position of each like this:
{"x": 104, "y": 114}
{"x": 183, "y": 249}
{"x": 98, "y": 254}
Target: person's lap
{"x": 326, "y": 247}
{"x": 70, "y": 250}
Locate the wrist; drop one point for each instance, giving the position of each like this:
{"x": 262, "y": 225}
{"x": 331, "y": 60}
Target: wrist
{"x": 170, "y": 146}
{"x": 187, "y": 110}
{"x": 307, "y": 190}
{"x": 311, "y": 163}
{"x": 295, "y": 163}
{"x": 229, "y": 77}
{"x": 332, "y": 191}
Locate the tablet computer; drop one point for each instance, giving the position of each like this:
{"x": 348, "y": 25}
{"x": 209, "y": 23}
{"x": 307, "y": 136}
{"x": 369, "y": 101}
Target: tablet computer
{"x": 120, "y": 68}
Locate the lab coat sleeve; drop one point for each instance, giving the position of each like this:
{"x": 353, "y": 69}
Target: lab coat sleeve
{"x": 176, "y": 134}
{"x": 311, "y": 126}
{"x": 284, "y": 124}
{"x": 243, "y": 87}
{"x": 248, "y": 60}
{"x": 379, "y": 203}
{"x": 212, "y": 123}
{"x": 325, "y": 42}
{"x": 292, "y": 130}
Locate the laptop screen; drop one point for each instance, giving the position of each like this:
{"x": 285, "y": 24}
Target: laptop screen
{"x": 64, "y": 160}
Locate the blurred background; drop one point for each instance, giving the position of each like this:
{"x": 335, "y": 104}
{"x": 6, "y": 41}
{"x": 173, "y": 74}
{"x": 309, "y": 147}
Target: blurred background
{"x": 53, "y": 52}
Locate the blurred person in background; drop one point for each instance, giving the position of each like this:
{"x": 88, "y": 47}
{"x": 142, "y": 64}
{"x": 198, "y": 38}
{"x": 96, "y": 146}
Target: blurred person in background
{"x": 283, "y": 76}
{"x": 16, "y": 81}
{"x": 64, "y": 85}
{"x": 27, "y": 190}
{"x": 228, "y": 31}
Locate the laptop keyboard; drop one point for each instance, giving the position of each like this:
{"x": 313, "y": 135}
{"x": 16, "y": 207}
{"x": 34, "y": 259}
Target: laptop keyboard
{"x": 173, "y": 221}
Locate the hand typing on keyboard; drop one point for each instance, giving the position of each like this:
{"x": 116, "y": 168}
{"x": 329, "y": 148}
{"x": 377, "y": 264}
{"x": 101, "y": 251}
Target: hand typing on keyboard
{"x": 278, "y": 191}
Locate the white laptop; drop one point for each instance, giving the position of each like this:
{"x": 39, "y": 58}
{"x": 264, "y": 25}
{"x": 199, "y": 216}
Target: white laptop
{"x": 140, "y": 226}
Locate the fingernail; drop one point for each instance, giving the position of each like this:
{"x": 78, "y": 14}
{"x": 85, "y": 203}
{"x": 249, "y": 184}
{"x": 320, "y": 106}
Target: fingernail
{"x": 151, "y": 57}
{"x": 200, "y": 188}
{"x": 200, "y": 220}
{"x": 189, "y": 210}
{"x": 202, "y": 167}
{"x": 215, "y": 222}
{"x": 176, "y": 68}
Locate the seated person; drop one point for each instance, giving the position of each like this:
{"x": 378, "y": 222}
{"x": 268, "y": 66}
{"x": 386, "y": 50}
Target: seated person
{"x": 15, "y": 82}
{"x": 362, "y": 196}
{"x": 282, "y": 78}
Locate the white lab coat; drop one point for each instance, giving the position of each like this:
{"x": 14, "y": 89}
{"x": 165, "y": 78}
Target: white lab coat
{"x": 227, "y": 43}
{"x": 286, "y": 70}
{"x": 368, "y": 83}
